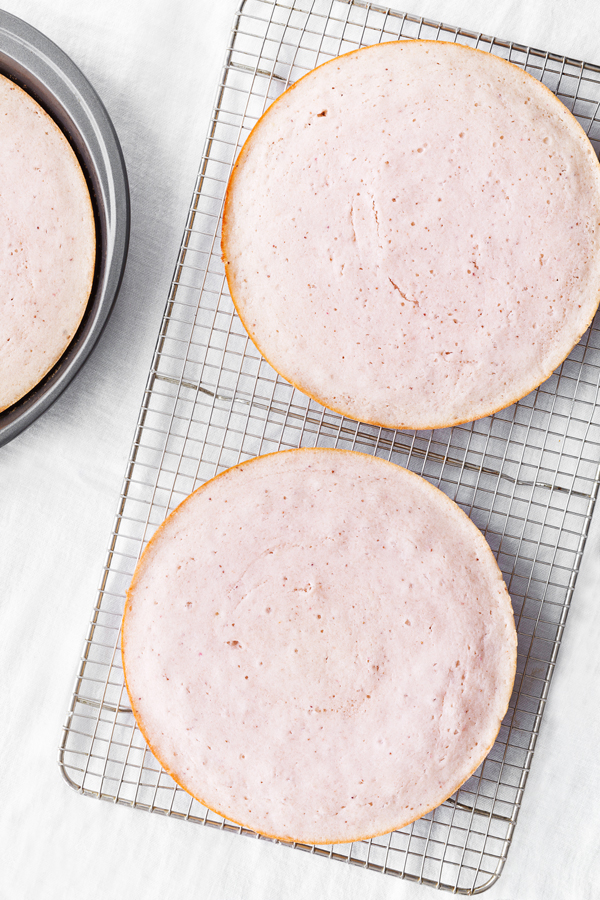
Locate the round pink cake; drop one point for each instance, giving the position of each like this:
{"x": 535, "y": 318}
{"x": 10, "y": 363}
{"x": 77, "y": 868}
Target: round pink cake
{"x": 48, "y": 245}
{"x": 411, "y": 234}
{"x": 319, "y": 645}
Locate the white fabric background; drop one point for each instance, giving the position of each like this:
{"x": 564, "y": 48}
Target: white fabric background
{"x": 156, "y": 64}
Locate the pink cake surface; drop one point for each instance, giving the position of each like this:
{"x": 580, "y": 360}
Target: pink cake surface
{"x": 319, "y": 645}
{"x": 47, "y": 245}
{"x": 411, "y": 234}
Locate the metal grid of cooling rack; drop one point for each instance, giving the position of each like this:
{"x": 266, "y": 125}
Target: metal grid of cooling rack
{"x": 528, "y": 476}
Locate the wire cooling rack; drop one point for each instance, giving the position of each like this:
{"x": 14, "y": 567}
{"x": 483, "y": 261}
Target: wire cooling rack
{"x": 527, "y": 476}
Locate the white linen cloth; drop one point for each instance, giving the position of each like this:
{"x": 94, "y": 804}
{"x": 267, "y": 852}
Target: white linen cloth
{"x": 156, "y": 65}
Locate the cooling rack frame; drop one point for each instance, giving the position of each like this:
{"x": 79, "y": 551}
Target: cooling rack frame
{"x": 528, "y": 476}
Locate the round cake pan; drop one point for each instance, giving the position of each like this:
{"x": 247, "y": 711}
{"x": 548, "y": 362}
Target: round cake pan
{"x": 36, "y": 64}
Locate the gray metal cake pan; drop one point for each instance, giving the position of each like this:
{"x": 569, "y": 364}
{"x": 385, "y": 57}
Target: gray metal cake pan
{"x": 41, "y": 68}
